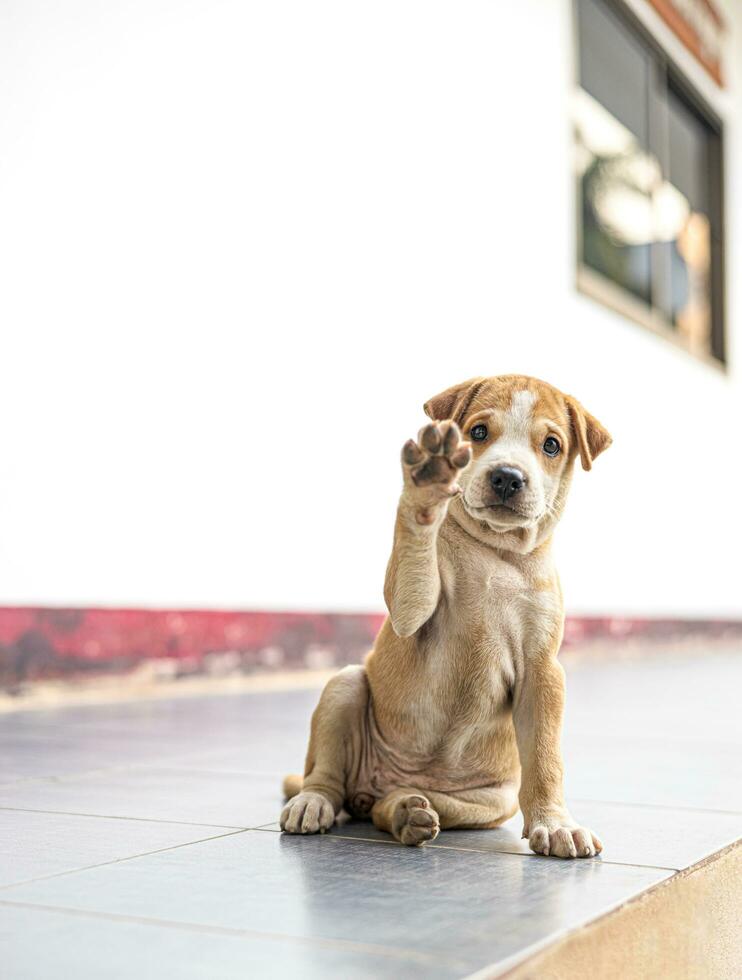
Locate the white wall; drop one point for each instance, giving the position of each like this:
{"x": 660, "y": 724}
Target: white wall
{"x": 242, "y": 242}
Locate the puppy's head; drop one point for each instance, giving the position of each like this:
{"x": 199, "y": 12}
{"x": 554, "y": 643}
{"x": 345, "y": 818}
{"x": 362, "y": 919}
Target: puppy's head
{"x": 525, "y": 436}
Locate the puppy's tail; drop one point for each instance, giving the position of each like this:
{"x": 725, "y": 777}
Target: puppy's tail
{"x": 292, "y": 785}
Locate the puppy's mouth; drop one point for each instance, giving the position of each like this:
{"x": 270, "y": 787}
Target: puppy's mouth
{"x": 502, "y": 515}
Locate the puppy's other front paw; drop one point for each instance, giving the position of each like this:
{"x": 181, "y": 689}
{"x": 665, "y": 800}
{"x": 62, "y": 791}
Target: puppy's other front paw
{"x": 307, "y": 813}
{"x": 414, "y": 821}
{"x": 562, "y": 837}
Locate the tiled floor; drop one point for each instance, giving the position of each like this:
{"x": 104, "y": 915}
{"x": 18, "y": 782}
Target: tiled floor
{"x": 139, "y": 840}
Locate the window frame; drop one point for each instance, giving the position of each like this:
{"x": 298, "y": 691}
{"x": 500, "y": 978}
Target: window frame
{"x": 600, "y": 288}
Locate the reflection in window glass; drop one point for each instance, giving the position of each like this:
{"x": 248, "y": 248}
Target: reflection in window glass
{"x": 617, "y": 179}
{"x": 691, "y": 235}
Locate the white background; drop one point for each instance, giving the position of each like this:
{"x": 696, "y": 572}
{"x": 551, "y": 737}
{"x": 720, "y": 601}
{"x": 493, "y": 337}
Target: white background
{"x": 242, "y": 242}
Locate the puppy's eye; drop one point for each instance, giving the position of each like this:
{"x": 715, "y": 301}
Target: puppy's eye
{"x": 551, "y": 446}
{"x": 479, "y": 432}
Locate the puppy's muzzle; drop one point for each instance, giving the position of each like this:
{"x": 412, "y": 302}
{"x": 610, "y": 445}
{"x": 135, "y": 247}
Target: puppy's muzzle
{"x": 507, "y": 481}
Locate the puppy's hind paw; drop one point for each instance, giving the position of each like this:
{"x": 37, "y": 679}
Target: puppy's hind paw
{"x": 307, "y": 813}
{"x": 414, "y": 821}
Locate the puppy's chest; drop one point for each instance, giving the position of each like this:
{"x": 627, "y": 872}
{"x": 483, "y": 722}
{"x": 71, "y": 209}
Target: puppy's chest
{"x": 497, "y": 607}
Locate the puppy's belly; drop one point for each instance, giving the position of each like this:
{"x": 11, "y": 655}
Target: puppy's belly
{"x": 463, "y": 759}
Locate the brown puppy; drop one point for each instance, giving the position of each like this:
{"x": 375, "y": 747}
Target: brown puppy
{"x": 455, "y": 719}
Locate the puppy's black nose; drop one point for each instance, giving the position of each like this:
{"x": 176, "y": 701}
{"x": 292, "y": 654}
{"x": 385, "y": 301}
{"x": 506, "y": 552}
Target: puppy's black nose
{"x": 507, "y": 481}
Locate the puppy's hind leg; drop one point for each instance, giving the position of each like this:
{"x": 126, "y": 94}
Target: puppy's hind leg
{"x": 476, "y": 809}
{"x": 334, "y": 754}
{"x": 292, "y": 785}
{"x": 416, "y": 816}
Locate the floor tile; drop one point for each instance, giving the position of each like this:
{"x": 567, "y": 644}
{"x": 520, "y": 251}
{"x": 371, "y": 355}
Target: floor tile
{"x": 660, "y": 729}
{"x": 654, "y": 770}
{"x": 49, "y": 756}
{"x": 271, "y": 753}
{"x": 37, "y": 844}
{"x": 37, "y": 944}
{"x": 468, "y": 908}
{"x": 253, "y": 733}
{"x": 204, "y": 720}
{"x": 656, "y": 695}
{"x": 223, "y": 799}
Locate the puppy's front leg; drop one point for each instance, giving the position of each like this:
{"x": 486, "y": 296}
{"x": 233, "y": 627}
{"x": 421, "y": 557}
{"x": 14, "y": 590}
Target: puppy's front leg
{"x": 430, "y": 468}
{"x": 537, "y": 714}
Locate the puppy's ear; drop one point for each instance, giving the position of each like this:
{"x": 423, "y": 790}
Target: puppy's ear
{"x": 453, "y": 403}
{"x": 589, "y": 434}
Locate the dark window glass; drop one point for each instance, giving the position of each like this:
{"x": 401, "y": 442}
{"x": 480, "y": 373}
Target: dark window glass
{"x": 688, "y": 163}
{"x": 614, "y": 67}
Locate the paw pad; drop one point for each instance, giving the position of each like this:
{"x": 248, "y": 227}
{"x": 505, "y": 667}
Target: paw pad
{"x": 437, "y": 457}
{"x": 415, "y": 822}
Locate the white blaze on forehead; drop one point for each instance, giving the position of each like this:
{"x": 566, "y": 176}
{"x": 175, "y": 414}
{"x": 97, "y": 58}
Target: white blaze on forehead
{"x": 515, "y": 439}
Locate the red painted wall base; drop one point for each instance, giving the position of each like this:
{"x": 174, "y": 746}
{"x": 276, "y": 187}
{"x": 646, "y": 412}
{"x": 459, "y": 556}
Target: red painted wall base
{"x": 38, "y": 643}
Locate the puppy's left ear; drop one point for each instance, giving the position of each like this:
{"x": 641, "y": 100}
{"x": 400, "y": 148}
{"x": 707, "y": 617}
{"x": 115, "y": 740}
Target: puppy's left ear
{"x": 454, "y": 401}
{"x": 591, "y": 437}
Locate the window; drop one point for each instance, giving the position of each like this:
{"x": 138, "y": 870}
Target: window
{"x": 649, "y": 167}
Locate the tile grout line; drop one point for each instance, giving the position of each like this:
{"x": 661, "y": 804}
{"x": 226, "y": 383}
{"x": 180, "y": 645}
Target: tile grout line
{"x": 265, "y": 828}
{"x": 121, "y": 860}
{"x": 657, "y": 806}
{"x": 369, "y": 948}
{"x": 68, "y": 777}
{"x": 164, "y": 768}
{"x": 134, "y": 767}
{"x": 110, "y": 816}
{"x": 278, "y": 774}
{"x": 523, "y": 854}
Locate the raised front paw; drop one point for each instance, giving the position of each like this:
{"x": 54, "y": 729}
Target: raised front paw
{"x": 560, "y": 836}
{"x": 414, "y": 821}
{"x": 432, "y": 464}
{"x": 307, "y": 813}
